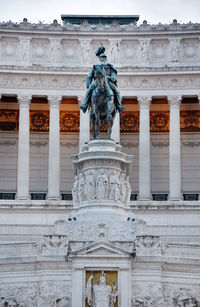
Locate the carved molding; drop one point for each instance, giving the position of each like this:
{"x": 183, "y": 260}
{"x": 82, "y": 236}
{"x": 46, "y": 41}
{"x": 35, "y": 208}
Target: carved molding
{"x": 160, "y": 144}
{"x": 86, "y": 27}
{"x": 38, "y": 143}
{"x": 191, "y": 144}
{"x": 8, "y": 143}
{"x": 77, "y": 82}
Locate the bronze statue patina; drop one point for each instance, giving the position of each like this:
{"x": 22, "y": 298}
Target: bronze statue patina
{"x": 102, "y": 97}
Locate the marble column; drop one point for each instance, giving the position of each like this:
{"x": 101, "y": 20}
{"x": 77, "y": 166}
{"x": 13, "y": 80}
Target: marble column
{"x": 144, "y": 149}
{"x": 174, "y": 149}
{"x": 54, "y": 148}
{"x": 115, "y": 135}
{"x": 23, "y": 148}
{"x": 84, "y": 127}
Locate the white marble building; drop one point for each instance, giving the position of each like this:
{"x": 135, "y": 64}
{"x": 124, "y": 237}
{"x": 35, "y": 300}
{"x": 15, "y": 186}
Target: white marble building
{"x": 155, "y": 255}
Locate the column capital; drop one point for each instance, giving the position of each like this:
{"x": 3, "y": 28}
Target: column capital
{"x": 174, "y": 101}
{"x": 24, "y": 100}
{"x": 144, "y": 101}
{"x": 54, "y": 101}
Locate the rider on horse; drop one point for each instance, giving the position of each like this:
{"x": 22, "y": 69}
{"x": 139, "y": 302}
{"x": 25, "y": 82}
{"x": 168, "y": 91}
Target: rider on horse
{"x": 111, "y": 75}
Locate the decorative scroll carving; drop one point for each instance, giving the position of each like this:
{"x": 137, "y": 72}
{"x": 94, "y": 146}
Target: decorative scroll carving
{"x": 52, "y": 245}
{"x": 190, "y": 121}
{"x": 69, "y": 121}
{"x": 39, "y": 121}
{"x": 9, "y": 120}
{"x": 129, "y": 122}
{"x": 159, "y": 121}
{"x": 148, "y": 245}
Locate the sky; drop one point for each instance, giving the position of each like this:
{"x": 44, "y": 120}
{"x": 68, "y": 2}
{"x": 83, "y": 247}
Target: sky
{"x": 154, "y": 11}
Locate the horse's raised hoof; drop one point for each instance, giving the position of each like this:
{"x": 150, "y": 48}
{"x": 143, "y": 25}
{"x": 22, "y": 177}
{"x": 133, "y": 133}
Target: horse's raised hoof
{"x": 109, "y": 117}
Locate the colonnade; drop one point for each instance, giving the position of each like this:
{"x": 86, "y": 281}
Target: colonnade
{"x": 84, "y": 136}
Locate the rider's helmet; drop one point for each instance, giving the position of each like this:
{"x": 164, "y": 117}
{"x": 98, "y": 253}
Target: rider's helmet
{"x": 102, "y": 55}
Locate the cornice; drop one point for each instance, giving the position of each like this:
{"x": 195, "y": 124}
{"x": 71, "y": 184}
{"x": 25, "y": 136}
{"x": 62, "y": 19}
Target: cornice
{"x": 123, "y": 70}
{"x": 58, "y": 28}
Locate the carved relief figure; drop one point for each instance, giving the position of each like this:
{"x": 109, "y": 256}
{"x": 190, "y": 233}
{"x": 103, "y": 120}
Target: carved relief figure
{"x": 90, "y": 186}
{"x": 128, "y": 190}
{"x": 114, "y": 187}
{"x": 114, "y": 51}
{"x": 85, "y": 51}
{"x": 174, "y": 50}
{"x": 81, "y": 187}
{"x": 55, "y": 50}
{"x": 75, "y": 191}
{"x": 100, "y": 295}
{"x": 102, "y": 185}
{"x": 123, "y": 186}
{"x": 144, "y": 51}
{"x": 25, "y": 49}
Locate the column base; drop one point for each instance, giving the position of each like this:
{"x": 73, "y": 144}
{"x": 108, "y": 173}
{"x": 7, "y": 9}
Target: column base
{"x": 175, "y": 198}
{"x": 52, "y": 198}
{"x": 145, "y": 197}
{"x": 22, "y": 197}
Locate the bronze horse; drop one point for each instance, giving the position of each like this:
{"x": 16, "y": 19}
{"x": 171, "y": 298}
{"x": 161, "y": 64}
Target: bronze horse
{"x": 102, "y": 104}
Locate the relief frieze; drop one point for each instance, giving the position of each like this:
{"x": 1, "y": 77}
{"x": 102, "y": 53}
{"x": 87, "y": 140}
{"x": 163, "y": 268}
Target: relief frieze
{"x": 9, "y": 120}
{"x": 129, "y": 121}
{"x": 39, "y": 121}
{"x": 159, "y": 121}
{"x": 77, "y": 82}
{"x": 69, "y": 121}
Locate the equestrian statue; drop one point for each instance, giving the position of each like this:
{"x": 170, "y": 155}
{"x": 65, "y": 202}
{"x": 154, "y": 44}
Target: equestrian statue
{"x": 102, "y": 97}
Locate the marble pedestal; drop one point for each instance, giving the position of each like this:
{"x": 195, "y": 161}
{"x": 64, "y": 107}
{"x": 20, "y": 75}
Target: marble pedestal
{"x": 101, "y": 189}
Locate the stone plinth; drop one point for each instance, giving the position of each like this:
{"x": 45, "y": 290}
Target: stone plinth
{"x": 101, "y": 188}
